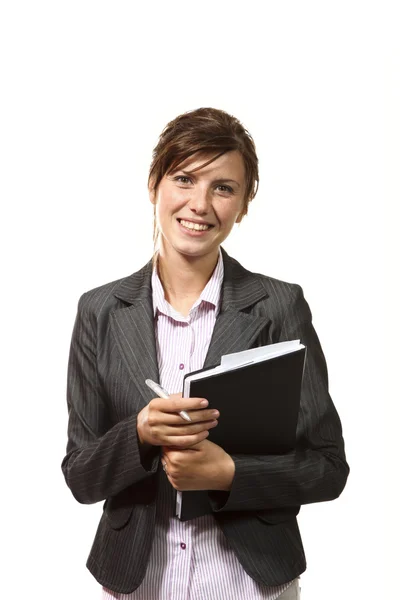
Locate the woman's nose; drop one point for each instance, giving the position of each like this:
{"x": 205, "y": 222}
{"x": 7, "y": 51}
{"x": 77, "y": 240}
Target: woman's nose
{"x": 200, "y": 201}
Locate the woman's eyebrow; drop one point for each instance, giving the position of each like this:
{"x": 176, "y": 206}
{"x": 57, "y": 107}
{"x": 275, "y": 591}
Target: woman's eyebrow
{"x": 223, "y": 180}
{"x": 217, "y": 180}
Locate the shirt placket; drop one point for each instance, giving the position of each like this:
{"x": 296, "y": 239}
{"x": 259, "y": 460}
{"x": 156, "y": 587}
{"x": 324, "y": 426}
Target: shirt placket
{"x": 182, "y": 531}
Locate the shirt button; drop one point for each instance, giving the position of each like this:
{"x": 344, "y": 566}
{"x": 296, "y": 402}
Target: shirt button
{"x": 183, "y": 546}
{"x": 181, "y": 366}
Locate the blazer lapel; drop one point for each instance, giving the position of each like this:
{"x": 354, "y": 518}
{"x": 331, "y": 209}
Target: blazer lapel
{"x": 133, "y": 327}
{"x": 234, "y": 329}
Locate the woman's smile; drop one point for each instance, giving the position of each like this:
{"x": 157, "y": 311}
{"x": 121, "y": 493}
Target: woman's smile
{"x": 194, "y": 228}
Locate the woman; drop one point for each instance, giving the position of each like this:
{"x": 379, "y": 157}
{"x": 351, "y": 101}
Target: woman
{"x": 183, "y": 310}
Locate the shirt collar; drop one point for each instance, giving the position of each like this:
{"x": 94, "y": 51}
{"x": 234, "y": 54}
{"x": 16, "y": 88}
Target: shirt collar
{"x": 211, "y": 292}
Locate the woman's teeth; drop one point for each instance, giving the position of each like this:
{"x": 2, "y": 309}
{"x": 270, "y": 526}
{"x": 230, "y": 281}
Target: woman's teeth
{"x": 196, "y": 226}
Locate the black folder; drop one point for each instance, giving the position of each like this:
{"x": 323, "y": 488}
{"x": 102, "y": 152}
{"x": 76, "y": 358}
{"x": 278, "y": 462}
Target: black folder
{"x": 259, "y": 406}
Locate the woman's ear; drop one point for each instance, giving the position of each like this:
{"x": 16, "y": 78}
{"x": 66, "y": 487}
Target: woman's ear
{"x": 240, "y": 216}
{"x": 242, "y": 213}
{"x": 152, "y": 191}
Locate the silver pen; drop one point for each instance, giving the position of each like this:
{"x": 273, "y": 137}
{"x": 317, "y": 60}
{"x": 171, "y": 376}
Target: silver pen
{"x": 161, "y": 393}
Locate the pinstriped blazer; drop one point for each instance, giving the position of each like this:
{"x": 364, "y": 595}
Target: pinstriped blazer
{"x": 113, "y": 351}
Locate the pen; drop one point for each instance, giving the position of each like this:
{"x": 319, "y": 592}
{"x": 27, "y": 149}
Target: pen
{"x": 157, "y": 389}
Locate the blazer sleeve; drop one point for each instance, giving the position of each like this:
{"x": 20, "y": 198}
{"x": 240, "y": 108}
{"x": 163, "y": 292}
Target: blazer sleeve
{"x": 101, "y": 460}
{"x": 316, "y": 470}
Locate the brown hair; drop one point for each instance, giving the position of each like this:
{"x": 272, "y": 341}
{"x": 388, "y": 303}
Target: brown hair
{"x": 209, "y": 131}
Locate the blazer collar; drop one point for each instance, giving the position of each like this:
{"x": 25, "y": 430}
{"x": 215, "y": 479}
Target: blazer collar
{"x": 240, "y": 287}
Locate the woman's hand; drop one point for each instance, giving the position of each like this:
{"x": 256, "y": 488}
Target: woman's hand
{"x": 205, "y": 466}
{"x": 159, "y": 423}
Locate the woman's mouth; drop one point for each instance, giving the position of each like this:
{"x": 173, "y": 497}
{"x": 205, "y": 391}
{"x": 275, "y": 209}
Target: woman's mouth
{"x": 190, "y": 226}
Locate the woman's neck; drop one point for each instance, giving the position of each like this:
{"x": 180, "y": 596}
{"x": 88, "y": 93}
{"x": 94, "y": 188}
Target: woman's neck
{"x": 184, "y": 278}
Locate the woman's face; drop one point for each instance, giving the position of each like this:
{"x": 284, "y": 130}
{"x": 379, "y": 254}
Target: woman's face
{"x": 196, "y": 209}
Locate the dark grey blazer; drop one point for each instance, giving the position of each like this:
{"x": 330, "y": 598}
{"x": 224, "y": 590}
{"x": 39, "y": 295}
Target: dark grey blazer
{"x": 113, "y": 351}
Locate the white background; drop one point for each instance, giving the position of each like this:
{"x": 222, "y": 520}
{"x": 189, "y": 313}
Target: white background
{"x": 86, "y": 89}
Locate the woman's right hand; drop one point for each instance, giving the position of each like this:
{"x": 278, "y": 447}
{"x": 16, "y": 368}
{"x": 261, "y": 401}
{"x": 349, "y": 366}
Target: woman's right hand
{"x": 159, "y": 423}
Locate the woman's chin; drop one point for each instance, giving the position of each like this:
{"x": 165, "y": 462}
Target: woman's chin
{"x": 188, "y": 249}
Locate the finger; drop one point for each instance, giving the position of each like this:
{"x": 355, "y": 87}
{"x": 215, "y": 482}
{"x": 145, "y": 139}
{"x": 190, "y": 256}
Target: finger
{"x": 186, "y": 441}
{"x": 198, "y": 416}
{"x": 190, "y": 429}
{"x": 204, "y": 415}
{"x": 175, "y": 403}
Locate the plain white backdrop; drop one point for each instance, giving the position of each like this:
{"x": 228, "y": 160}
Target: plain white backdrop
{"x": 86, "y": 89}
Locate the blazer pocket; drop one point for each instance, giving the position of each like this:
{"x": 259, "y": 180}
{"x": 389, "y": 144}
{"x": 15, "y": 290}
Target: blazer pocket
{"x": 118, "y": 509}
{"x": 273, "y": 516}
{"x": 117, "y": 514}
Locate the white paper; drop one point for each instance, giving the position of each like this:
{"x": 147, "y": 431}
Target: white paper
{"x": 237, "y": 359}
{"x": 178, "y": 503}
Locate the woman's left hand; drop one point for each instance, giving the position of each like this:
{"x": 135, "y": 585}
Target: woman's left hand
{"x": 204, "y": 466}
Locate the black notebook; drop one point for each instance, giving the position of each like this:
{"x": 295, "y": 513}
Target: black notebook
{"x": 257, "y": 393}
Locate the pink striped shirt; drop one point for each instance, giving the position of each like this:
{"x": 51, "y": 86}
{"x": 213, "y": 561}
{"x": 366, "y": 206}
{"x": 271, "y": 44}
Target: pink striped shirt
{"x": 190, "y": 560}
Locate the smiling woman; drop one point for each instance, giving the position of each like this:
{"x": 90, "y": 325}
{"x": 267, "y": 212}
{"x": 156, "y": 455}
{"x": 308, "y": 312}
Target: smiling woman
{"x": 188, "y": 306}
{"x": 203, "y": 175}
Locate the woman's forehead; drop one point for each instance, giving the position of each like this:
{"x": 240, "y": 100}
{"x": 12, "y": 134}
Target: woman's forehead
{"x": 207, "y": 163}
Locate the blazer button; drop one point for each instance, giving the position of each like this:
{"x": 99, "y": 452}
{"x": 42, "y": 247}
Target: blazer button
{"x": 183, "y": 546}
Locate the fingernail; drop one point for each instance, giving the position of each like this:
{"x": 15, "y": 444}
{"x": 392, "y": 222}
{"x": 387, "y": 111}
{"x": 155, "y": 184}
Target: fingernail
{"x": 215, "y": 413}
{"x": 204, "y": 403}
{"x": 214, "y": 424}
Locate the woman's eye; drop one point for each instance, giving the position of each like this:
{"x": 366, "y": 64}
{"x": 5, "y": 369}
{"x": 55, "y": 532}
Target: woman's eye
{"x": 226, "y": 189}
{"x": 182, "y": 179}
